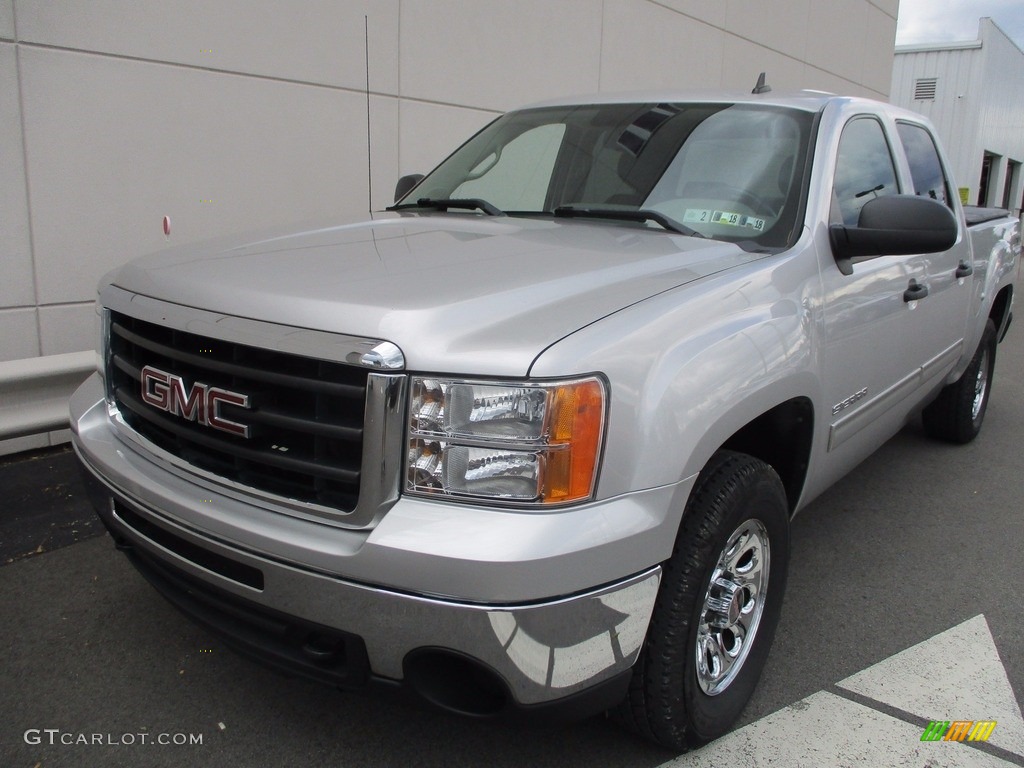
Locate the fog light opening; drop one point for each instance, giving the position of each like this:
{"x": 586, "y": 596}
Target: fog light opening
{"x": 455, "y": 682}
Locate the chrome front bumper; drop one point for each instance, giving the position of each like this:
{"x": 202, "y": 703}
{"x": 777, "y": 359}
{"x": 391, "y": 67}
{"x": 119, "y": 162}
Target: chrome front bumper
{"x": 541, "y": 651}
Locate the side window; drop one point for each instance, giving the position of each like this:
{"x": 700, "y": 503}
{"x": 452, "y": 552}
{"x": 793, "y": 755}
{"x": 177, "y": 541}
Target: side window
{"x": 925, "y": 168}
{"x": 864, "y": 170}
{"x": 516, "y": 178}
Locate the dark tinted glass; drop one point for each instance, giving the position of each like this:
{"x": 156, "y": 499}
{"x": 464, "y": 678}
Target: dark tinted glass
{"x": 864, "y": 170}
{"x": 925, "y": 168}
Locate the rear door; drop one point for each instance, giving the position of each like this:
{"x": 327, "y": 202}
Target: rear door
{"x": 942, "y": 316}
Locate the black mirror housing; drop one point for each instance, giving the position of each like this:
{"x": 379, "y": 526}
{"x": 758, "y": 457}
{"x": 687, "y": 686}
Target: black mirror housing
{"x": 894, "y": 225}
{"x": 405, "y": 184}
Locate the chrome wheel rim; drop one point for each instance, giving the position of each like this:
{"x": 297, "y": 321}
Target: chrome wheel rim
{"x": 980, "y": 387}
{"x": 733, "y": 604}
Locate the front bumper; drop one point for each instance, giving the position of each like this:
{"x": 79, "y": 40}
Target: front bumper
{"x": 463, "y": 653}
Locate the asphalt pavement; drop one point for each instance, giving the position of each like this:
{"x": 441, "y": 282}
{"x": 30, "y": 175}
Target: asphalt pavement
{"x": 920, "y": 544}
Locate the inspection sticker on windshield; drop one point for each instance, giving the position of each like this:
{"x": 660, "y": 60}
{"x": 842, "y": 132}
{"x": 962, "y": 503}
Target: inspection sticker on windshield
{"x": 705, "y": 216}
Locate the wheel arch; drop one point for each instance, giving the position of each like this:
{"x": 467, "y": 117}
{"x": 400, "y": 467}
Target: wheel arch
{"x": 781, "y": 437}
{"x": 1000, "y": 313}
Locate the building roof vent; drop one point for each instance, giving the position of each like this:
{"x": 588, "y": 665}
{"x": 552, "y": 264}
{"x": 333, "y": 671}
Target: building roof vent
{"x": 924, "y": 88}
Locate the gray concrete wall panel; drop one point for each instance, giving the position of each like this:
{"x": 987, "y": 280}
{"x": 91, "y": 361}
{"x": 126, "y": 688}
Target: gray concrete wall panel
{"x": 17, "y": 288}
{"x": 68, "y": 328}
{"x": 114, "y": 145}
{"x": 7, "y": 19}
{"x": 20, "y": 336}
{"x": 647, "y": 46}
{"x": 780, "y": 25}
{"x": 500, "y": 55}
{"x": 315, "y": 41}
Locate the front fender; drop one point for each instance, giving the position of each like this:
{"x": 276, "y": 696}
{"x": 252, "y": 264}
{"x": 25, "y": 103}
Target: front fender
{"x": 690, "y": 367}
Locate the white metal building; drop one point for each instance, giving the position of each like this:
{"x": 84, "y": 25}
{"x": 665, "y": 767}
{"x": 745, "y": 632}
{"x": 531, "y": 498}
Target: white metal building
{"x": 234, "y": 114}
{"x": 974, "y": 93}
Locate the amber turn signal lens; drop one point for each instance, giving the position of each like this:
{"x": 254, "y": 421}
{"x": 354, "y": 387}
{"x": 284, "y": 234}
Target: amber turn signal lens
{"x": 576, "y": 427}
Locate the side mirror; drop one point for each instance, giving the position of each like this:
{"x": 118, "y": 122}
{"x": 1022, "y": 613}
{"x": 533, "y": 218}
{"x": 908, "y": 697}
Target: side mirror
{"x": 405, "y": 184}
{"x": 894, "y": 225}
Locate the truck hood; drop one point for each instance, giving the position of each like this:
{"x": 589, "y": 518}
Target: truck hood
{"x": 458, "y": 293}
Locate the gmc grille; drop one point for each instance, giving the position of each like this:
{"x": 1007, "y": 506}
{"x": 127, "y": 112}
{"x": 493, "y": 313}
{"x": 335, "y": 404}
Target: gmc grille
{"x": 305, "y": 416}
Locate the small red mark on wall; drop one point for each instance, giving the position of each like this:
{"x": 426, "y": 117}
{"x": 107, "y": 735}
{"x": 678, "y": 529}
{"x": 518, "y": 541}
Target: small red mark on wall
{"x": 167, "y": 226}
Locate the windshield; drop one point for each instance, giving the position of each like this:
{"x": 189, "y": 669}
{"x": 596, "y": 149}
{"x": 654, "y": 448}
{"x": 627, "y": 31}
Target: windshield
{"x": 728, "y": 171}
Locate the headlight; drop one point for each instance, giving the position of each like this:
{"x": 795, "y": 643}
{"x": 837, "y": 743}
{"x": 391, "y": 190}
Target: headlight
{"x": 524, "y": 442}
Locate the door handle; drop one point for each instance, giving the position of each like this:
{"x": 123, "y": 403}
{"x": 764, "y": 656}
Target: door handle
{"x": 915, "y": 291}
{"x": 964, "y": 269}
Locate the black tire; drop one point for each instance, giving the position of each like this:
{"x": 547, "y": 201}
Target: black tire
{"x": 667, "y": 702}
{"x": 957, "y": 413}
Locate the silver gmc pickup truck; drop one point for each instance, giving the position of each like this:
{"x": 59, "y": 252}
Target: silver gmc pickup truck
{"x": 530, "y": 441}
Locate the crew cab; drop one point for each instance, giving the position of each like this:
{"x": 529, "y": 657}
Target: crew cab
{"x": 530, "y": 441}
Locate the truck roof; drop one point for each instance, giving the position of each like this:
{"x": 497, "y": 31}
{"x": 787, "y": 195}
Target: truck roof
{"x": 806, "y": 100}
{"x": 809, "y": 101}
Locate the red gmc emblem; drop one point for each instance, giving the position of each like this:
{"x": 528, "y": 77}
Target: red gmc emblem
{"x": 200, "y": 403}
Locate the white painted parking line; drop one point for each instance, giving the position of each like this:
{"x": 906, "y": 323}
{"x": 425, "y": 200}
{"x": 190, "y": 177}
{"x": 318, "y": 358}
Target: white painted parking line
{"x": 956, "y": 675}
{"x": 826, "y": 730}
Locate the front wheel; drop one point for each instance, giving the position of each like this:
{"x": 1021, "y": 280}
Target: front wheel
{"x": 717, "y": 608}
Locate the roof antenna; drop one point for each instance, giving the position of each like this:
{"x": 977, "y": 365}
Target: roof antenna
{"x": 761, "y": 86}
{"x": 369, "y": 151}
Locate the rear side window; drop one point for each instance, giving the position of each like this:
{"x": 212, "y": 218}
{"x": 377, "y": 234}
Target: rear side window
{"x": 864, "y": 170}
{"x": 925, "y": 167}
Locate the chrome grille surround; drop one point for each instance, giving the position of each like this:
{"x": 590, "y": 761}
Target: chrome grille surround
{"x": 316, "y": 396}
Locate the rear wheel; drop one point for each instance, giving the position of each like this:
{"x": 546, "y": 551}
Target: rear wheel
{"x": 957, "y": 413}
{"x": 717, "y": 608}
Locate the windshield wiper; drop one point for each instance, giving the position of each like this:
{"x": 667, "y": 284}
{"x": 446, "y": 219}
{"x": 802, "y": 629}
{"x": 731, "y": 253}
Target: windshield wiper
{"x": 626, "y": 214}
{"x": 443, "y": 204}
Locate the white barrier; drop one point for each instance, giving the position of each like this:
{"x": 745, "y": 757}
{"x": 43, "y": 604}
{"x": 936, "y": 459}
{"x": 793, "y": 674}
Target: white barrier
{"x": 34, "y": 392}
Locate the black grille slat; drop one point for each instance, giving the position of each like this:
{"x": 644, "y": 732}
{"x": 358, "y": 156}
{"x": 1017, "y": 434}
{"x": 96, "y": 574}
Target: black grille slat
{"x": 125, "y": 367}
{"x": 305, "y": 416}
{"x": 232, "y": 369}
{"x": 268, "y": 416}
{"x": 179, "y": 429}
{"x": 332, "y": 431}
